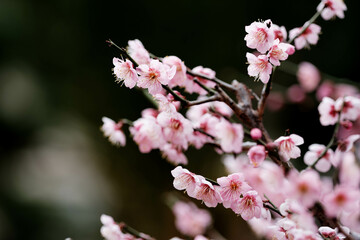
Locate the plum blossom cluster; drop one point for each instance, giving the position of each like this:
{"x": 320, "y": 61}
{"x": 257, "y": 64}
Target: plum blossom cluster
{"x": 270, "y": 42}
{"x": 321, "y": 201}
{"x": 191, "y": 220}
{"x": 232, "y": 191}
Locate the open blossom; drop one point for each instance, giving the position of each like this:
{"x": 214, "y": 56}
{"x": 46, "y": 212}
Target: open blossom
{"x": 230, "y": 136}
{"x": 208, "y": 193}
{"x": 304, "y": 187}
{"x": 341, "y": 199}
{"x": 155, "y": 75}
{"x": 331, "y": 8}
{"x": 113, "y": 131}
{"x": 124, "y": 71}
{"x": 288, "y": 146}
{"x": 328, "y": 113}
{"x": 174, "y": 154}
{"x": 259, "y": 67}
{"x": 279, "y": 32}
{"x": 231, "y": 187}
{"x": 138, "y": 52}
{"x": 309, "y": 36}
{"x": 347, "y": 144}
{"x": 260, "y": 36}
{"x": 257, "y": 155}
{"x": 308, "y": 76}
{"x": 191, "y": 220}
{"x": 147, "y": 133}
{"x": 349, "y": 107}
{"x": 279, "y": 51}
{"x": 315, "y": 150}
{"x": 185, "y": 180}
{"x": 180, "y": 75}
{"x": 177, "y": 129}
{"x": 248, "y": 206}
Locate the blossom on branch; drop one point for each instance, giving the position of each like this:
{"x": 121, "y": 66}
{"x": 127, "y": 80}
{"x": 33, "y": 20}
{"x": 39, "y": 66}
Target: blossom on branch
{"x": 113, "y": 131}
{"x": 288, "y": 146}
{"x": 331, "y": 9}
{"x": 309, "y": 36}
{"x": 232, "y": 187}
{"x": 124, "y": 71}
{"x": 259, "y": 67}
{"x": 260, "y": 36}
{"x": 155, "y": 75}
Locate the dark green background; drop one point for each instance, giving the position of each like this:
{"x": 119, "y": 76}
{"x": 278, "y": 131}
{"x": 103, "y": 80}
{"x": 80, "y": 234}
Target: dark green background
{"x": 58, "y": 174}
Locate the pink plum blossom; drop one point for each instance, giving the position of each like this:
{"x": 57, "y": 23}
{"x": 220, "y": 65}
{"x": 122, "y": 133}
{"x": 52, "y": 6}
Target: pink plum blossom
{"x": 155, "y": 75}
{"x": 349, "y": 107}
{"x": 279, "y": 32}
{"x": 138, "y": 52}
{"x": 164, "y": 104}
{"x": 208, "y": 193}
{"x": 147, "y": 133}
{"x": 349, "y": 170}
{"x": 113, "y": 131}
{"x": 259, "y": 67}
{"x": 341, "y": 199}
{"x": 191, "y": 220}
{"x": 315, "y": 150}
{"x": 180, "y": 75}
{"x": 173, "y": 154}
{"x": 279, "y": 51}
{"x": 248, "y": 206}
{"x": 304, "y": 187}
{"x": 309, "y": 36}
{"x": 149, "y": 112}
{"x": 259, "y": 36}
{"x": 230, "y": 136}
{"x": 185, "y": 180}
{"x": 287, "y": 146}
{"x": 347, "y": 144}
{"x": 329, "y": 233}
{"x": 328, "y": 113}
{"x": 231, "y": 187}
{"x": 257, "y": 155}
{"x": 308, "y": 76}
{"x": 331, "y": 8}
{"x": 111, "y": 230}
{"x": 124, "y": 71}
{"x": 177, "y": 129}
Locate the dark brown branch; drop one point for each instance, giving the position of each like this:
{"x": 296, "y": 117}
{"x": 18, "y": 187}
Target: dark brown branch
{"x": 264, "y": 95}
{"x": 123, "y": 52}
{"x": 215, "y": 80}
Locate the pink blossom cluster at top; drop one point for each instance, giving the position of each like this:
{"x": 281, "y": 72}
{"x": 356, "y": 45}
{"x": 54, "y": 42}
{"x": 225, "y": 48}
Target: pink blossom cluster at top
{"x": 152, "y": 74}
{"x": 269, "y": 40}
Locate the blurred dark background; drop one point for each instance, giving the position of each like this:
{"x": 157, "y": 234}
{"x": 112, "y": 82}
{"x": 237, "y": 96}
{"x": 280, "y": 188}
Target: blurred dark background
{"x": 57, "y": 172}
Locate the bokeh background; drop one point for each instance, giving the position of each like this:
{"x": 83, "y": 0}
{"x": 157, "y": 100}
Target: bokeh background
{"x": 57, "y": 172}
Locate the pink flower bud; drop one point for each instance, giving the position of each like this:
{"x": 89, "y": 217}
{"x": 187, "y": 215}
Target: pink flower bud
{"x": 255, "y": 134}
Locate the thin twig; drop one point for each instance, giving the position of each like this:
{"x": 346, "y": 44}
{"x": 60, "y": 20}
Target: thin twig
{"x": 215, "y": 80}
{"x": 306, "y": 25}
{"x": 123, "y": 52}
